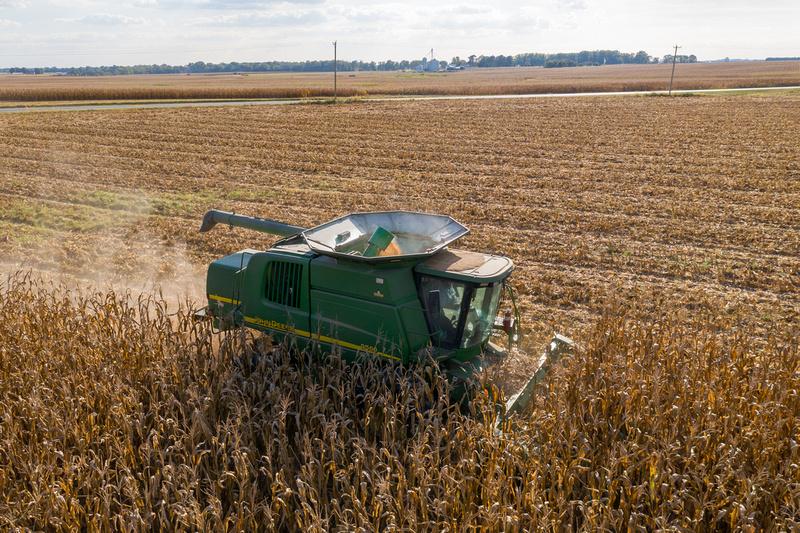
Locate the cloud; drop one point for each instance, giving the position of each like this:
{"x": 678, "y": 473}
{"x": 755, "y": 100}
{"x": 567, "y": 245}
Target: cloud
{"x": 571, "y": 5}
{"x": 530, "y": 22}
{"x": 105, "y": 19}
{"x": 479, "y": 21}
{"x": 19, "y": 4}
{"x": 258, "y": 19}
{"x": 5, "y": 23}
{"x": 369, "y": 15}
{"x": 465, "y": 10}
{"x": 220, "y": 4}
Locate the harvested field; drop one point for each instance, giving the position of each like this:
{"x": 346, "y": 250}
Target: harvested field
{"x": 476, "y": 81}
{"x": 662, "y": 233}
{"x": 681, "y": 200}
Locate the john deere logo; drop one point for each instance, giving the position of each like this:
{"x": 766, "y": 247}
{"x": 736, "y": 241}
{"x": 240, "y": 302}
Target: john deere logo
{"x": 377, "y": 294}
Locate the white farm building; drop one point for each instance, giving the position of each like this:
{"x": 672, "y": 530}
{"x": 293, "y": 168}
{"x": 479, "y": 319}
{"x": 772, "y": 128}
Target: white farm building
{"x": 432, "y": 65}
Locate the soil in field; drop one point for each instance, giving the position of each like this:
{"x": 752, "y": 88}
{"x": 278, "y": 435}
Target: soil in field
{"x": 690, "y": 202}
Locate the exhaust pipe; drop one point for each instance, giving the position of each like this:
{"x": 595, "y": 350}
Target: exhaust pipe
{"x": 264, "y": 225}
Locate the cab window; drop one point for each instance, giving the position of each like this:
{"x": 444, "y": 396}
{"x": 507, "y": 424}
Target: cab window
{"x": 443, "y": 300}
{"x": 480, "y": 315}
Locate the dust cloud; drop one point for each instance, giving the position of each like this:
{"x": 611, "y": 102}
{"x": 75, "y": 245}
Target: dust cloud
{"x": 125, "y": 257}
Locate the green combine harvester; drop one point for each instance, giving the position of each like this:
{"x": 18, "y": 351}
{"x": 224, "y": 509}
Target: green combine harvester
{"x": 380, "y": 284}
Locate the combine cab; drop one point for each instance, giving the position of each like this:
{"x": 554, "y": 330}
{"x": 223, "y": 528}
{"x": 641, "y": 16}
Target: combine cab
{"x": 383, "y": 284}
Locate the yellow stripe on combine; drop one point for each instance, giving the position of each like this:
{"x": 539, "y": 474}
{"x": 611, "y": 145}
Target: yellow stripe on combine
{"x": 224, "y": 299}
{"x": 279, "y": 326}
{"x": 356, "y": 347}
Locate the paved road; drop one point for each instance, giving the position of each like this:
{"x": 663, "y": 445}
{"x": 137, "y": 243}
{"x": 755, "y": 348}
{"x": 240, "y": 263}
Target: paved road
{"x": 172, "y": 105}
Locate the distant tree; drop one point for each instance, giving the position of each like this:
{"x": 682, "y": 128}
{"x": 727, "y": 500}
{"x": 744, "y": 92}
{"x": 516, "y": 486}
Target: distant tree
{"x": 641, "y": 57}
{"x": 584, "y": 57}
{"x": 680, "y": 59}
{"x": 559, "y": 63}
{"x": 530, "y": 60}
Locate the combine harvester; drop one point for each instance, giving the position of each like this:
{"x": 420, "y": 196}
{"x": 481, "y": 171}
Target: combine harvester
{"x": 380, "y": 284}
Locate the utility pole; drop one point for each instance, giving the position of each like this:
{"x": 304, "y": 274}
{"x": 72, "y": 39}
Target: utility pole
{"x": 672, "y": 77}
{"x": 334, "y": 72}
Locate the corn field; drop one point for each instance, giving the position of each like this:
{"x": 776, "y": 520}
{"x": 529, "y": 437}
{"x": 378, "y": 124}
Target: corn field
{"x": 481, "y": 81}
{"x": 661, "y": 233}
{"x": 118, "y": 412}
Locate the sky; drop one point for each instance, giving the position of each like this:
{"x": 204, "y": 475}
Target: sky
{"x": 100, "y": 32}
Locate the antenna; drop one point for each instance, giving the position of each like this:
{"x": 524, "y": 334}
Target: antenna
{"x": 672, "y": 77}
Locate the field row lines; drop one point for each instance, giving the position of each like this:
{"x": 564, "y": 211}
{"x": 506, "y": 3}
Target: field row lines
{"x": 298, "y": 165}
{"x": 667, "y": 250}
{"x": 303, "y": 148}
{"x": 692, "y": 209}
{"x": 640, "y": 221}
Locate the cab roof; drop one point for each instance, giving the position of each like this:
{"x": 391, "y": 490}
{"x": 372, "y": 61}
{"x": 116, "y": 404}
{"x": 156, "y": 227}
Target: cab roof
{"x": 462, "y": 265}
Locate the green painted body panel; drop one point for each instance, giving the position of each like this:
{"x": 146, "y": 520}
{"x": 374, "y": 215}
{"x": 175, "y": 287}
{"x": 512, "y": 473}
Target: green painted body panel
{"x": 223, "y": 286}
{"x": 383, "y": 284}
{"x": 339, "y": 304}
{"x": 258, "y": 303}
{"x": 371, "y": 327}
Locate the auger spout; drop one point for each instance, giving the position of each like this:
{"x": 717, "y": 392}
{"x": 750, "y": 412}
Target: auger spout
{"x": 214, "y": 217}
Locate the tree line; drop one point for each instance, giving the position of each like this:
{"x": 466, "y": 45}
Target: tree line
{"x": 583, "y": 58}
